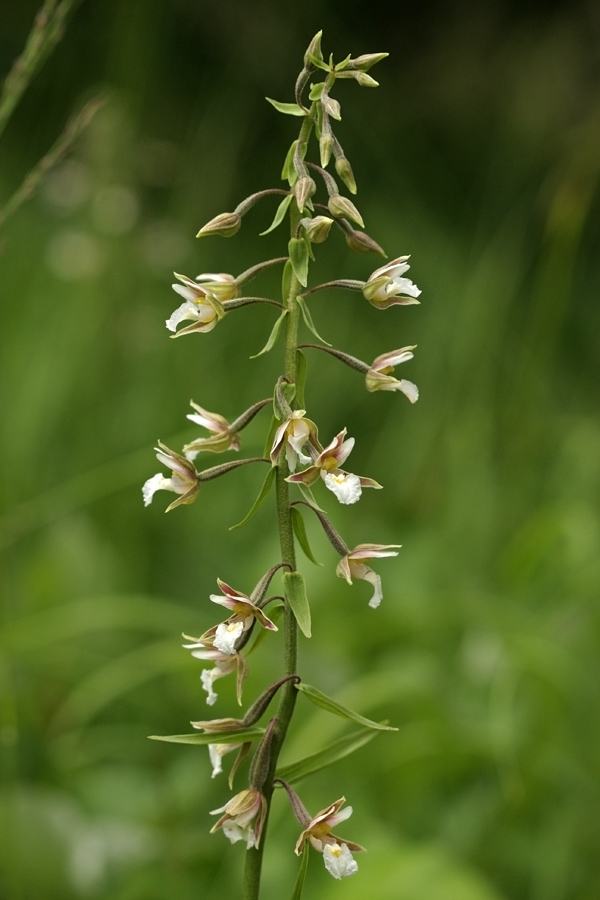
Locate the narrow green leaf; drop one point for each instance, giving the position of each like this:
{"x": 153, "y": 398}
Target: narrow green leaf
{"x": 288, "y": 173}
{"x": 281, "y": 211}
{"x": 309, "y": 322}
{"x": 300, "y": 532}
{"x": 273, "y": 336}
{"x": 320, "y": 699}
{"x": 309, "y": 496}
{"x": 222, "y": 737}
{"x": 299, "y": 259}
{"x": 300, "y": 377}
{"x": 297, "y": 892}
{"x": 262, "y": 496}
{"x": 295, "y": 591}
{"x": 286, "y": 281}
{"x": 270, "y": 436}
{"x": 288, "y": 109}
{"x": 344, "y": 746}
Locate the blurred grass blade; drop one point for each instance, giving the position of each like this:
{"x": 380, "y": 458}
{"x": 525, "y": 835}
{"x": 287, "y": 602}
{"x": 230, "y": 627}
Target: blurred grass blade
{"x": 332, "y": 753}
{"x": 320, "y": 699}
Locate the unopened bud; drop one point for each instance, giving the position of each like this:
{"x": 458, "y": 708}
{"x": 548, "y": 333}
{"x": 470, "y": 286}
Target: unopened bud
{"x": 325, "y": 148}
{"x": 317, "y": 229}
{"x": 304, "y": 188}
{"x": 367, "y": 60}
{"x": 225, "y": 224}
{"x": 344, "y": 170}
{"x": 313, "y": 51}
{"x": 360, "y": 242}
{"x": 342, "y": 208}
{"x": 331, "y": 106}
{"x": 365, "y": 80}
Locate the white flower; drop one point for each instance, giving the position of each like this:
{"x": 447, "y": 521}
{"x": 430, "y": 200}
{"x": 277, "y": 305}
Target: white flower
{"x": 200, "y": 306}
{"x": 184, "y": 480}
{"x": 338, "y": 860}
{"x": 345, "y": 485}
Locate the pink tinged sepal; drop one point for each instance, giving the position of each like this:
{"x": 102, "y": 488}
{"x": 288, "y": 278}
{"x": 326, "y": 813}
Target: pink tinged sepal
{"x": 221, "y": 438}
{"x": 242, "y": 606}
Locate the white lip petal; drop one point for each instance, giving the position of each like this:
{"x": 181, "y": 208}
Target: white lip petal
{"x": 227, "y": 635}
{"x": 185, "y": 311}
{"x": 345, "y": 486}
{"x": 409, "y": 390}
{"x": 338, "y": 860}
{"x": 156, "y": 483}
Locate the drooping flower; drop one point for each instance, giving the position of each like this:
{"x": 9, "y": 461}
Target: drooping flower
{"x": 353, "y": 565}
{"x": 378, "y": 377}
{"x": 337, "y": 852}
{"x": 184, "y": 480}
{"x": 294, "y": 433}
{"x": 386, "y": 286}
{"x": 244, "y": 817}
{"x": 201, "y": 307}
{"x": 346, "y": 486}
{"x": 221, "y": 439}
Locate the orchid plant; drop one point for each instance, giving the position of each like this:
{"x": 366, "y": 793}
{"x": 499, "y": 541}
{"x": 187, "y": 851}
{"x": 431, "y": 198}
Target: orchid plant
{"x": 297, "y": 463}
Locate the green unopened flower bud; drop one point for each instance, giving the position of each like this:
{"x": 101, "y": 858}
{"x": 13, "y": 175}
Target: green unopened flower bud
{"x": 225, "y": 224}
{"x": 317, "y": 229}
{"x": 331, "y": 106}
{"x": 359, "y": 242}
{"x": 313, "y": 51}
{"x": 365, "y": 80}
{"x": 325, "y": 148}
{"x": 344, "y": 170}
{"x": 342, "y": 208}
{"x": 304, "y": 188}
{"x": 367, "y": 60}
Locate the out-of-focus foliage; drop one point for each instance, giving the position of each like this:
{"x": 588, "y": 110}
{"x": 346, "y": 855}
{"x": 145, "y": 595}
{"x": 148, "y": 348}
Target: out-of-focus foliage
{"x": 479, "y": 155}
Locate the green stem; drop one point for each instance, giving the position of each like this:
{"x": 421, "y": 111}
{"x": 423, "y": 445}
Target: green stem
{"x": 252, "y": 870}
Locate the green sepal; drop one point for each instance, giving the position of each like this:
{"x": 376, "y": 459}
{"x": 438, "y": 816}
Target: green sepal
{"x": 295, "y": 592}
{"x": 288, "y": 109}
{"x": 273, "y": 336}
{"x": 300, "y": 532}
{"x": 300, "y": 377}
{"x": 288, "y": 173}
{"x": 319, "y": 63}
{"x": 316, "y": 90}
{"x": 286, "y": 281}
{"x": 214, "y": 737}
{"x": 279, "y": 215}
{"x": 335, "y": 751}
{"x": 309, "y": 322}
{"x": 320, "y": 699}
{"x": 298, "y": 886}
{"x": 262, "y": 496}
{"x": 341, "y": 65}
{"x": 299, "y": 259}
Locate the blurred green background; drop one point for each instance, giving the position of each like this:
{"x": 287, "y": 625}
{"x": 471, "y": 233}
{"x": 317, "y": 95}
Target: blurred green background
{"x": 479, "y": 155}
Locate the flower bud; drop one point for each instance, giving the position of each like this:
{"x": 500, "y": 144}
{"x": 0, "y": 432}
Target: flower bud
{"x": 317, "y": 229}
{"x": 342, "y": 208}
{"x": 325, "y": 148}
{"x": 304, "y": 188}
{"x": 313, "y": 51}
{"x": 225, "y": 224}
{"x": 360, "y": 242}
{"x": 367, "y": 60}
{"x": 365, "y": 80}
{"x": 344, "y": 170}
